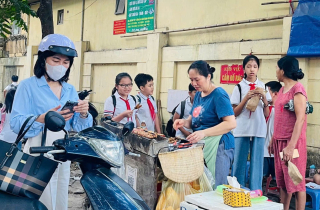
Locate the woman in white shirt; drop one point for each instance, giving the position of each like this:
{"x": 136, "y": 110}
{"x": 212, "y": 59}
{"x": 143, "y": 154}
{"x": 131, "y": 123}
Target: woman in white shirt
{"x": 120, "y": 105}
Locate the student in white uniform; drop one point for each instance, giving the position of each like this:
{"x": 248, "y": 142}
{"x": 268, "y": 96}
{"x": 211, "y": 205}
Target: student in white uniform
{"x": 7, "y": 134}
{"x": 184, "y": 132}
{"x": 268, "y": 163}
{"x": 147, "y": 114}
{"x": 14, "y": 83}
{"x": 251, "y": 129}
{"x": 120, "y": 105}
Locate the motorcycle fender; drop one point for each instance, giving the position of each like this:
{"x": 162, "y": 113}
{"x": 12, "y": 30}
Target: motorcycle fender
{"x": 107, "y": 191}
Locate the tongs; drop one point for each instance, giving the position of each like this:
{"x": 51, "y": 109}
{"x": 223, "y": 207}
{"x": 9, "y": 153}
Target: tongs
{"x": 178, "y": 145}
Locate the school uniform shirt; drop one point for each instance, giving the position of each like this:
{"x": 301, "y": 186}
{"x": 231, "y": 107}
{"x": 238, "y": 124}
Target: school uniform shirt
{"x": 144, "y": 113}
{"x": 121, "y": 106}
{"x": 34, "y": 97}
{"x": 12, "y": 85}
{"x": 249, "y": 123}
{"x": 270, "y": 129}
{"x": 208, "y": 112}
{"x": 186, "y": 115}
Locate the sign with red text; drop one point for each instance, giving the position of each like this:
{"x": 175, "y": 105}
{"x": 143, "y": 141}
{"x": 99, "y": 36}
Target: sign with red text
{"x": 119, "y": 27}
{"x": 231, "y": 74}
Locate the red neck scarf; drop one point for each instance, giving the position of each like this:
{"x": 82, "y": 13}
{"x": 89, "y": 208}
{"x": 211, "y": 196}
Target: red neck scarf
{"x": 151, "y": 108}
{"x": 270, "y": 109}
{"x": 252, "y": 86}
{"x": 127, "y": 105}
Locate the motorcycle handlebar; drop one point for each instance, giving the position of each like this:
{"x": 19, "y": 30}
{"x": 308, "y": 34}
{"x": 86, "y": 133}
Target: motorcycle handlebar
{"x": 46, "y": 149}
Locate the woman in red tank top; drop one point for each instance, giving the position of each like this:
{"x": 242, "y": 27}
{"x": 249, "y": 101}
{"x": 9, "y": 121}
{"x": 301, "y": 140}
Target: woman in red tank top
{"x": 290, "y": 131}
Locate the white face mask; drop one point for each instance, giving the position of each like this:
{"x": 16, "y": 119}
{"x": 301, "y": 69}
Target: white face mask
{"x": 56, "y": 72}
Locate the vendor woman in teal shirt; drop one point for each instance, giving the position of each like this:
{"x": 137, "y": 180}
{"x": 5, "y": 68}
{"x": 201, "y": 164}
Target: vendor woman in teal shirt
{"x": 211, "y": 118}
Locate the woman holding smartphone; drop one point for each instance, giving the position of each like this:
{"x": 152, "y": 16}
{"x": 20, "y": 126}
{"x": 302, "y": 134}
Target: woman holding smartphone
{"x": 47, "y": 91}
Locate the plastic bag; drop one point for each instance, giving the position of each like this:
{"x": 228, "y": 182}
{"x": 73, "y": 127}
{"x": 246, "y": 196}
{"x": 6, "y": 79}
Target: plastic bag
{"x": 173, "y": 193}
{"x": 211, "y": 180}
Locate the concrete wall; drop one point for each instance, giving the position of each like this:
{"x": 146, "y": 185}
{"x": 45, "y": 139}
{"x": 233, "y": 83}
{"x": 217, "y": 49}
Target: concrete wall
{"x": 9, "y": 67}
{"x": 99, "y": 17}
{"x": 313, "y": 132}
{"x": 71, "y": 25}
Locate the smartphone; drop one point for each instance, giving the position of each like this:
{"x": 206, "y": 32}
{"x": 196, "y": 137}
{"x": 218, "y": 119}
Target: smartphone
{"x": 295, "y": 154}
{"x": 69, "y": 105}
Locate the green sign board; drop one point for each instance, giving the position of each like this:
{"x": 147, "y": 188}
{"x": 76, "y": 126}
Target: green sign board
{"x": 140, "y": 15}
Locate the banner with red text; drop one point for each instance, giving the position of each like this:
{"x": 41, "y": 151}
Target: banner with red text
{"x": 231, "y": 74}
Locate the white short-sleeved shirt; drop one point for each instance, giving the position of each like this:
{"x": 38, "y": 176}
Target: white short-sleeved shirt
{"x": 121, "y": 106}
{"x": 144, "y": 112}
{"x": 186, "y": 114}
{"x": 254, "y": 124}
{"x": 270, "y": 130}
{"x": 14, "y": 84}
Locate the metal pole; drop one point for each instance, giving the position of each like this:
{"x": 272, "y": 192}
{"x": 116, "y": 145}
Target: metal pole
{"x": 278, "y": 2}
{"x": 82, "y": 20}
{"x": 214, "y": 26}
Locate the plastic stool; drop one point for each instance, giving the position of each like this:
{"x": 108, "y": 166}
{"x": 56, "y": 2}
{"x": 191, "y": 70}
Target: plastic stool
{"x": 315, "y": 196}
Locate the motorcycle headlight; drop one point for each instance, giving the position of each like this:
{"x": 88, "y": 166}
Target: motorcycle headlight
{"x": 110, "y": 151}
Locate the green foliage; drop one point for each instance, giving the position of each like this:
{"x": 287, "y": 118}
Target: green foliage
{"x": 11, "y": 11}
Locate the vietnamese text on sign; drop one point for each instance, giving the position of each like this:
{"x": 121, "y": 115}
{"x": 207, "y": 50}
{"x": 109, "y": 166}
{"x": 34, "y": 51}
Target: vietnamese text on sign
{"x": 119, "y": 27}
{"x": 231, "y": 74}
{"x": 140, "y": 15}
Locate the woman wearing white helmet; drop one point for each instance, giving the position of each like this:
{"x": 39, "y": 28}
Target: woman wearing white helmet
{"x": 49, "y": 90}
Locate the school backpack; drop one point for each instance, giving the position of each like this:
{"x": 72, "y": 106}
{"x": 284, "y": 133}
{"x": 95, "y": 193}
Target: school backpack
{"x": 170, "y": 131}
{"x": 239, "y": 87}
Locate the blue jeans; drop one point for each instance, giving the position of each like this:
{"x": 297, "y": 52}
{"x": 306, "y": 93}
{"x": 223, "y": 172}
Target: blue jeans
{"x": 223, "y": 163}
{"x": 242, "y": 146}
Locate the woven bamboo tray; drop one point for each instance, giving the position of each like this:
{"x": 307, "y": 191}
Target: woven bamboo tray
{"x": 182, "y": 166}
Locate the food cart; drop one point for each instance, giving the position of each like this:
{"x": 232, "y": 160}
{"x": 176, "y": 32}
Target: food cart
{"x": 141, "y": 172}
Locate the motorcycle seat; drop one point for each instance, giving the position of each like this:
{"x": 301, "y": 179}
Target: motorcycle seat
{"x": 8, "y": 201}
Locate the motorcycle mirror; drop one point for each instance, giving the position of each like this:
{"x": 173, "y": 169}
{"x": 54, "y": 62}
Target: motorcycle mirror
{"x": 127, "y": 128}
{"x": 54, "y": 121}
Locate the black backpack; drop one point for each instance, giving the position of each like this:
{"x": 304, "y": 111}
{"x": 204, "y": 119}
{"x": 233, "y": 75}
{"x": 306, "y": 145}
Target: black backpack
{"x": 139, "y": 99}
{"x": 170, "y": 131}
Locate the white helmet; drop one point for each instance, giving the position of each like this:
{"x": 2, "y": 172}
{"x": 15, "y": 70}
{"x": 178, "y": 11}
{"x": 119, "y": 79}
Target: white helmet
{"x": 59, "y": 44}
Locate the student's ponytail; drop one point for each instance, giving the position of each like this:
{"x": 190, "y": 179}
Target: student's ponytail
{"x": 113, "y": 91}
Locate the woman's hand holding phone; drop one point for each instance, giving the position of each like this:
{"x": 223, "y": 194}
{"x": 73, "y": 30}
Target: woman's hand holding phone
{"x": 65, "y": 114}
{"x": 82, "y": 107}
